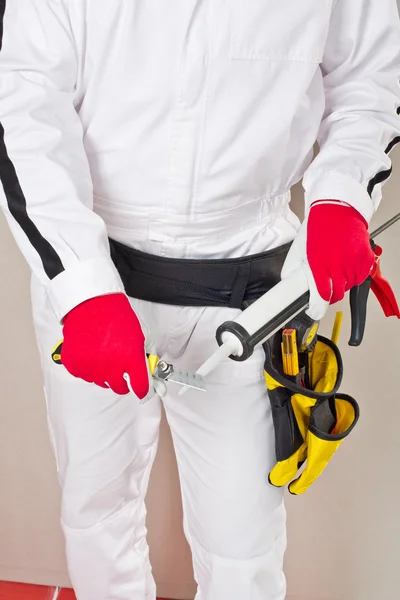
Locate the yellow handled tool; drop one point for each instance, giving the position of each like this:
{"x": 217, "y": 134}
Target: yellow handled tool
{"x": 56, "y": 353}
{"x": 159, "y": 369}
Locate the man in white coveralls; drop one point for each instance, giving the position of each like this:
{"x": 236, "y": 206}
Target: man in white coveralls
{"x": 174, "y": 131}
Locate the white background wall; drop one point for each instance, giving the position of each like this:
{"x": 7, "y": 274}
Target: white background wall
{"x": 343, "y": 534}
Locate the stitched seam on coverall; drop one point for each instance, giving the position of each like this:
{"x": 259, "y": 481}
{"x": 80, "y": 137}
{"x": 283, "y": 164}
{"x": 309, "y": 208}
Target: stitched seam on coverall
{"x": 198, "y": 167}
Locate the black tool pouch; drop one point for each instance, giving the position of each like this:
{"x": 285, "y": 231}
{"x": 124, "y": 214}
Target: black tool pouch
{"x": 310, "y": 422}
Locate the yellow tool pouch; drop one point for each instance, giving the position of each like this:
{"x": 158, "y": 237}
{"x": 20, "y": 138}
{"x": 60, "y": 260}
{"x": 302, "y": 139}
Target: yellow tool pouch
{"x": 310, "y": 422}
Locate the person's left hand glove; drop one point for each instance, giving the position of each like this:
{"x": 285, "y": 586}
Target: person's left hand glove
{"x": 333, "y": 247}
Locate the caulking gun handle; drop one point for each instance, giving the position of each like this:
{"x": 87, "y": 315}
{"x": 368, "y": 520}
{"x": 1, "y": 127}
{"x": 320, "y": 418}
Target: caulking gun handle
{"x": 359, "y": 299}
{"x": 358, "y": 308}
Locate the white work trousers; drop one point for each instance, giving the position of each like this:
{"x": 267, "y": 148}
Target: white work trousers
{"x": 224, "y": 443}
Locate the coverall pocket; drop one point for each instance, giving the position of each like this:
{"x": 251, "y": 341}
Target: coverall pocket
{"x": 279, "y": 30}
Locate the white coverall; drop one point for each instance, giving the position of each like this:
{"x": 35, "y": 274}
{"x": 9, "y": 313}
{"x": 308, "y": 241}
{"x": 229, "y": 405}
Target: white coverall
{"x": 179, "y": 128}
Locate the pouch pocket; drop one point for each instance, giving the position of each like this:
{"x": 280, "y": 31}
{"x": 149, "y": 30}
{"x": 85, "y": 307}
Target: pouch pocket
{"x": 290, "y": 447}
{"x": 288, "y": 438}
{"x": 324, "y": 438}
{"x": 279, "y": 30}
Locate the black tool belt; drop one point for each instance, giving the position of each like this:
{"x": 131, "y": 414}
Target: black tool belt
{"x": 233, "y": 282}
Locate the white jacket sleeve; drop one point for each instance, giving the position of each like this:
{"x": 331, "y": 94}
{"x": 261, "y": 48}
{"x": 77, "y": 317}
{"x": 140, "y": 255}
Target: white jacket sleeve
{"x": 46, "y": 190}
{"x": 361, "y": 124}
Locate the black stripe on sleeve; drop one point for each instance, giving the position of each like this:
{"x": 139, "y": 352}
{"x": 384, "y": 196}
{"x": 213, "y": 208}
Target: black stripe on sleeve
{"x": 16, "y": 200}
{"x": 379, "y": 178}
{"x": 383, "y": 175}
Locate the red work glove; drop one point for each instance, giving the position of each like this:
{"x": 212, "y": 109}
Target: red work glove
{"x": 338, "y": 249}
{"x": 103, "y": 341}
{"x": 333, "y": 247}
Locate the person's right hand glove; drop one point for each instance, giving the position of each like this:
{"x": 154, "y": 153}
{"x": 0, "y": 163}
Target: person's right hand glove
{"x": 104, "y": 344}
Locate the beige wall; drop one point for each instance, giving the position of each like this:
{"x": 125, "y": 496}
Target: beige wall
{"x": 343, "y": 533}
